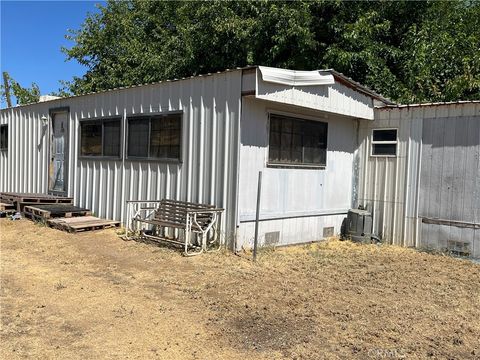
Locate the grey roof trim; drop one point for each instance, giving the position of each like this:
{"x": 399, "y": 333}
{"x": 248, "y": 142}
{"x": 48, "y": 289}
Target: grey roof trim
{"x": 397, "y": 106}
{"x": 359, "y": 87}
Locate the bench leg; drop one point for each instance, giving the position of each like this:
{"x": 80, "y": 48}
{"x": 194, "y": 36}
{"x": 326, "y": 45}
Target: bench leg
{"x": 188, "y": 234}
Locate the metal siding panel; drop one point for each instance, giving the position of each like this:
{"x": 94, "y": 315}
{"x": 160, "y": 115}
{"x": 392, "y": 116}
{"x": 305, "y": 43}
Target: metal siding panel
{"x": 459, "y": 169}
{"x": 436, "y": 170}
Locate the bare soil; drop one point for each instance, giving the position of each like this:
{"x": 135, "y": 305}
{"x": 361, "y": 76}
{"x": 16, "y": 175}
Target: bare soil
{"x": 94, "y": 295}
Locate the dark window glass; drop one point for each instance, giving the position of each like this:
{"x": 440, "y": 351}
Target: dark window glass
{"x": 100, "y": 138}
{"x": 297, "y": 141}
{"x": 3, "y": 137}
{"x": 385, "y": 135}
{"x": 157, "y": 137}
{"x": 384, "y": 149}
{"x": 138, "y": 130}
{"x": 91, "y": 143}
{"x": 384, "y": 142}
{"x": 111, "y": 138}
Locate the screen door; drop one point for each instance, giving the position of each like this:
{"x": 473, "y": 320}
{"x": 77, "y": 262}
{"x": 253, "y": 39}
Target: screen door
{"x": 57, "y": 153}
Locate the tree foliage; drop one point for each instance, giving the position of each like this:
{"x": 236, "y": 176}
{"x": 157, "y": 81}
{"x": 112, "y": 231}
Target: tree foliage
{"x": 24, "y": 95}
{"x": 408, "y": 51}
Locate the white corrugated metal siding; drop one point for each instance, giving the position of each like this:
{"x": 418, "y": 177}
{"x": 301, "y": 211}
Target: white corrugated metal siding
{"x": 396, "y": 189}
{"x": 207, "y": 173}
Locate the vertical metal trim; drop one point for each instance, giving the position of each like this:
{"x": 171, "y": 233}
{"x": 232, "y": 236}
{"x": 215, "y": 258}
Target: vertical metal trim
{"x": 419, "y": 169}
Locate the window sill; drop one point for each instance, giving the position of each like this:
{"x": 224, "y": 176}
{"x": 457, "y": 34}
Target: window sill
{"x": 383, "y": 156}
{"x": 100, "y": 158}
{"x": 160, "y": 160}
{"x": 299, "y": 166}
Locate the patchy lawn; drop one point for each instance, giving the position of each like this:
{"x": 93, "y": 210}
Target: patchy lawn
{"x": 94, "y": 295}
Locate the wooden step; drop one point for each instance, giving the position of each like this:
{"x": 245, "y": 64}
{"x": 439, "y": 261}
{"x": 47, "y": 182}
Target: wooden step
{"x": 6, "y": 207}
{"x": 20, "y": 200}
{"x": 82, "y": 223}
{"x": 44, "y": 212}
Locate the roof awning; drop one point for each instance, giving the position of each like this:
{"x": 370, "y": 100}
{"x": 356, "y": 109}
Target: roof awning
{"x": 295, "y": 77}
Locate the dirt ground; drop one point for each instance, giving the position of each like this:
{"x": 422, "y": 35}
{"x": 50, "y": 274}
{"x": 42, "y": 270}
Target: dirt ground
{"x": 94, "y": 295}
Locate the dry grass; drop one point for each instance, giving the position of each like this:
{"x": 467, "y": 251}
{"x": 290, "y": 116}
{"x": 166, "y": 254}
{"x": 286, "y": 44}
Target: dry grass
{"x": 93, "y": 295}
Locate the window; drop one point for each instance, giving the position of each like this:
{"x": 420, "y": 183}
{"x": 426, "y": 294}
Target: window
{"x": 296, "y": 141}
{"x": 3, "y": 137}
{"x": 384, "y": 142}
{"x": 100, "y": 138}
{"x": 155, "y": 137}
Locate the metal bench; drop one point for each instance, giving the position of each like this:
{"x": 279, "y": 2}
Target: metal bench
{"x": 152, "y": 219}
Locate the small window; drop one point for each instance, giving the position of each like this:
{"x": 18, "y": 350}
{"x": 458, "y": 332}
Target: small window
{"x": 295, "y": 141}
{"x": 100, "y": 138}
{"x": 3, "y": 137}
{"x": 155, "y": 137}
{"x": 384, "y": 142}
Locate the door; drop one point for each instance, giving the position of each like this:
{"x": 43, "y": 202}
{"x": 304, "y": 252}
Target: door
{"x": 57, "y": 168}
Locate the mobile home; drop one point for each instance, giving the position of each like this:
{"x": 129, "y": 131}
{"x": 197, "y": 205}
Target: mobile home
{"x": 205, "y": 139}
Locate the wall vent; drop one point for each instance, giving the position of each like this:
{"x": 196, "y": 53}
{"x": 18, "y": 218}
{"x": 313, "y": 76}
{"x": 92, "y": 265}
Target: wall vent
{"x": 328, "y": 231}
{"x": 272, "y": 238}
{"x": 459, "y": 247}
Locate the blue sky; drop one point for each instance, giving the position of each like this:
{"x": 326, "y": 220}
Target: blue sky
{"x": 32, "y": 34}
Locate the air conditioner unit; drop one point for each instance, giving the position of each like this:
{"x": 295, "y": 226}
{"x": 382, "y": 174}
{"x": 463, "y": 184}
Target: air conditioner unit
{"x": 357, "y": 226}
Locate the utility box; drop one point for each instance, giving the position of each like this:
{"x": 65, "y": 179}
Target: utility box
{"x": 357, "y": 226}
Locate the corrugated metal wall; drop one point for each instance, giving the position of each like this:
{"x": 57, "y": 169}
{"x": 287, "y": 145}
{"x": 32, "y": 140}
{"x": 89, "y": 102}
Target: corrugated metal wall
{"x": 450, "y": 183}
{"x": 23, "y": 167}
{"x": 434, "y": 169}
{"x": 387, "y": 185}
{"x": 207, "y": 173}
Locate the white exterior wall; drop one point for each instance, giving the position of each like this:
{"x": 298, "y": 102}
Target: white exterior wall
{"x": 335, "y": 98}
{"x": 298, "y": 203}
{"x": 430, "y": 172}
{"x": 207, "y": 173}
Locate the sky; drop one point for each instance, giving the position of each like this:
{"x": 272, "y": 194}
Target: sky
{"x": 32, "y": 34}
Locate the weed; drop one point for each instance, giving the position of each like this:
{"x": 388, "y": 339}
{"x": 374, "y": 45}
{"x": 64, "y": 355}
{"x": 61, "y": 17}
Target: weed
{"x": 59, "y": 286}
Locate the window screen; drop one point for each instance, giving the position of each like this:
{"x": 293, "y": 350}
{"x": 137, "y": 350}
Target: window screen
{"x": 138, "y": 130}
{"x": 100, "y": 138}
{"x": 111, "y": 138}
{"x": 384, "y": 142}
{"x": 297, "y": 141}
{"x": 156, "y": 137}
{"x": 3, "y": 137}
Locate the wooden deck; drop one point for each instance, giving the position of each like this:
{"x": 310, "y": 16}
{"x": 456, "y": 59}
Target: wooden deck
{"x": 55, "y": 211}
{"x": 20, "y": 200}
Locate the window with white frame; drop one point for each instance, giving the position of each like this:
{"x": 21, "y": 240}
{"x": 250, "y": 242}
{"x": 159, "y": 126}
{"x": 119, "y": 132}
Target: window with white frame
{"x": 3, "y": 137}
{"x": 295, "y": 141}
{"x": 384, "y": 142}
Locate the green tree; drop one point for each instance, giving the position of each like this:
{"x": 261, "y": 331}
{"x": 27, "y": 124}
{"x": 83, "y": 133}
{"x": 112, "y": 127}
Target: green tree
{"x": 408, "y": 51}
{"x": 442, "y": 54}
{"x": 24, "y": 95}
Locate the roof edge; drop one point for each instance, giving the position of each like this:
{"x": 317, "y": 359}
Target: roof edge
{"x": 440, "y": 103}
{"x": 134, "y": 86}
{"x": 359, "y": 87}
